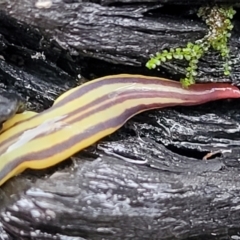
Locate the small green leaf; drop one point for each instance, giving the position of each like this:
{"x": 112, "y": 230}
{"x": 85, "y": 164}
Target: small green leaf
{"x": 187, "y": 57}
{"x": 178, "y": 50}
{"x": 190, "y": 45}
{"x": 226, "y": 72}
{"x": 163, "y": 59}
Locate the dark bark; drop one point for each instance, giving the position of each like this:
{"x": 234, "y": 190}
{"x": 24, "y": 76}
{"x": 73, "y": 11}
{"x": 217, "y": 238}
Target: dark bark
{"x": 168, "y": 192}
{"x": 124, "y": 35}
{"x": 114, "y": 200}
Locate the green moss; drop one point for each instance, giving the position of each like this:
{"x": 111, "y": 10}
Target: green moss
{"x": 218, "y": 20}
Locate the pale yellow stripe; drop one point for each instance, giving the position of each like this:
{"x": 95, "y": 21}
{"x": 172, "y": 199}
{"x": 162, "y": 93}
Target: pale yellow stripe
{"x": 17, "y": 118}
{"x": 63, "y": 132}
{"x": 112, "y": 91}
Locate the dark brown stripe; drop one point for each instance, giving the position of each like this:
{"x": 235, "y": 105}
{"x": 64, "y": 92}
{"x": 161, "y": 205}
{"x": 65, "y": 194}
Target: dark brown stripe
{"x": 115, "y": 122}
{"x": 84, "y": 89}
{"x": 124, "y": 95}
{"x": 129, "y": 80}
{"x": 94, "y": 85}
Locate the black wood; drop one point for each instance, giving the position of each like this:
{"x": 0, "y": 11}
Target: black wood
{"x": 148, "y": 180}
{"x": 122, "y": 35}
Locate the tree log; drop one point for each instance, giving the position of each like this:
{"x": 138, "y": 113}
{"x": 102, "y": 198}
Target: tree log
{"x": 148, "y": 180}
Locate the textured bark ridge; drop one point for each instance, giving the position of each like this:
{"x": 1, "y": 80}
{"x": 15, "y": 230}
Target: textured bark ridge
{"x": 147, "y": 180}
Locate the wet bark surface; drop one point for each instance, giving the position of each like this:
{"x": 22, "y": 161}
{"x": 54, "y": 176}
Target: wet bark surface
{"x": 147, "y": 180}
